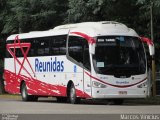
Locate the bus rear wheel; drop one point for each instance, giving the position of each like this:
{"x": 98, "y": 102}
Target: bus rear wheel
{"x": 24, "y": 94}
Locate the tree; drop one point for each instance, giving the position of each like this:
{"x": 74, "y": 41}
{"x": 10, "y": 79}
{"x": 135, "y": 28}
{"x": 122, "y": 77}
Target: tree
{"x": 145, "y": 16}
{"x": 2, "y": 42}
{"x": 2, "y": 5}
{"x": 30, "y": 15}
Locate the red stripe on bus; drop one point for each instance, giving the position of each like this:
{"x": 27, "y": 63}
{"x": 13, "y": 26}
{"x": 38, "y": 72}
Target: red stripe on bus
{"x": 36, "y": 87}
{"x": 147, "y": 40}
{"x": 90, "y": 40}
{"x": 119, "y": 86}
{"x": 17, "y": 44}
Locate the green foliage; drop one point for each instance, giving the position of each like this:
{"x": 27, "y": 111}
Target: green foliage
{"x": 100, "y": 10}
{"x": 18, "y": 16}
{"x": 29, "y": 15}
{"x": 77, "y": 10}
{"x": 133, "y": 13}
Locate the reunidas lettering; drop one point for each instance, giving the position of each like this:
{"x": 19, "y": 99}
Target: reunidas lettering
{"x": 53, "y": 65}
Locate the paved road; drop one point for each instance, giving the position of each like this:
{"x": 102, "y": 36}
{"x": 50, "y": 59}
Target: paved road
{"x": 49, "y": 106}
{"x": 50, "y": 109}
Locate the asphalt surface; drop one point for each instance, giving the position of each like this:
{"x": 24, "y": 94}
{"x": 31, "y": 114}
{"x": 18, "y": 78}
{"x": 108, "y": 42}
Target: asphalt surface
{"x": 92, "y": 110}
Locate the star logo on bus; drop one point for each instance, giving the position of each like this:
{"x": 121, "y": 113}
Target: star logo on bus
{"x": 24, "y": 48}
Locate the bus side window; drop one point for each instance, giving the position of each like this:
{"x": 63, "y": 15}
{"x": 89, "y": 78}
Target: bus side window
{"x": 7, "y": 54}
{"x": 42, "y": 47}
{"x": 19, "y": 52}
{"x": 78, "y": 49}
{"x": 75, "y": 48}
{"x": 58, "y": 45}
{"x": 86, "y": 59}
{"x": 32, "y": 49}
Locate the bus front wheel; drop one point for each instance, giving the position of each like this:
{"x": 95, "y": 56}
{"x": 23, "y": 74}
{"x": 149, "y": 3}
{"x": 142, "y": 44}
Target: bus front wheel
{"x": 72, "y": 95}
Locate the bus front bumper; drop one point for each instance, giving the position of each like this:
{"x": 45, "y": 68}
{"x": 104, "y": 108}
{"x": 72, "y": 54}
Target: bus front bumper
{"x": 119, "y": 93}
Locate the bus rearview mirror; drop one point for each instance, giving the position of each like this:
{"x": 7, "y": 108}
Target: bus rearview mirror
{"x": 92, "y": 48}
{"x": 150, "y": 45}
{"x": 151, "y": 50}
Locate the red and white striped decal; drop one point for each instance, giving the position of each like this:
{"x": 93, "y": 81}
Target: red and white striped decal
{"x": 118, "y": 86}
{"x": 90, "y": 40}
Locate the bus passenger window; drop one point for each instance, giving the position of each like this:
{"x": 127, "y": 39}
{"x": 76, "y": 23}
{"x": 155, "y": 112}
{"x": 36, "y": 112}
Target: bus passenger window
{"x": 86, "y": 59}
{"x": 75, "y": 48}
{"x": 43, "y": 47}
{"x": 78, "y": 49}
{"x": 58, "y": 45}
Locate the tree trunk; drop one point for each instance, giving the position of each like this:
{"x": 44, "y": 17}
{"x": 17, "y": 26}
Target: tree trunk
{"x": 1, "y": 78}
{"x": 1, "y": 86}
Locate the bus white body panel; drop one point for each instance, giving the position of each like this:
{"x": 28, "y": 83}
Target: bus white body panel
{"x": 120, "y": 88}
{"x": 48, "y": 69}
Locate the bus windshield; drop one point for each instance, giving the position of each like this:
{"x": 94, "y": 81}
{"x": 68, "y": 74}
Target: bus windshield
{"x": 121, "y": 56}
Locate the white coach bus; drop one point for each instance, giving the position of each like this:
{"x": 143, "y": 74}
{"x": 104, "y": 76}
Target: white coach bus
{"x": 90, "y": 60}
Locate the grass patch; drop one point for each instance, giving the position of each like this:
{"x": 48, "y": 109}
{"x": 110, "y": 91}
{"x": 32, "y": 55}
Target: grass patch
{"x": 10, "y": 96}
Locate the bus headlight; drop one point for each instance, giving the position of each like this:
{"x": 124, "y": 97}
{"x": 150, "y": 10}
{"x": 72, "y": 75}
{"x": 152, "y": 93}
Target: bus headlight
{"x": 143, "y": 85}
{"x": 98, "y": 84}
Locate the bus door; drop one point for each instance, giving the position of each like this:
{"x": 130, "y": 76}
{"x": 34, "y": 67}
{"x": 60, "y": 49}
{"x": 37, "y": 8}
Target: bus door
{"x": 86, "y": 71}
{"x": 78, "y": 53}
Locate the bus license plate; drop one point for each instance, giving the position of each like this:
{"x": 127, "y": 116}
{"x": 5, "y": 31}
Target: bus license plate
{"x": 122, "y": 92}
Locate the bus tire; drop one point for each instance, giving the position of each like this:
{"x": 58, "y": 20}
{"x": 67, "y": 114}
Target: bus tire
{"x": 72, "y": 95}
{"x": 24, "y": 94}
